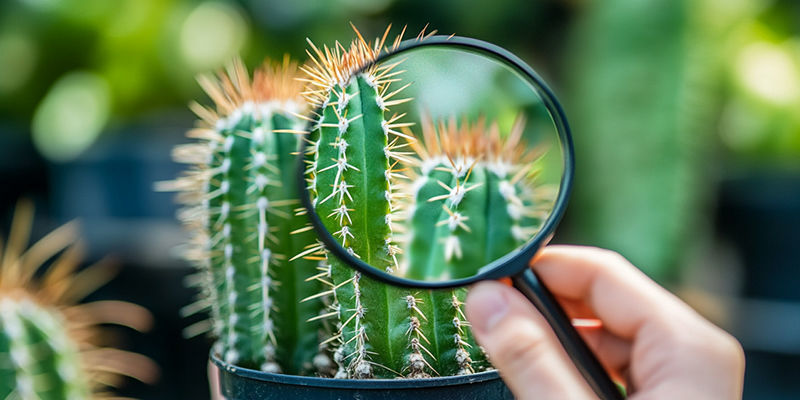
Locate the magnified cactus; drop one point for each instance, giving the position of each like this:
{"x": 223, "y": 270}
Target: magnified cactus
{"x": 240, "y": 197}
{"x": 471, "y": 185}
{"x": 46, "y": 349}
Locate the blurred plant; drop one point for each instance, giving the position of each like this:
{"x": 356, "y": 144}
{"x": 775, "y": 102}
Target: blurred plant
{"x": 48, "y": 344}
{"x": 240, "y": 196}
{"x": 75, "y": 72}
{"x": 760, "y": 123}
{"x": 644, "y": 98}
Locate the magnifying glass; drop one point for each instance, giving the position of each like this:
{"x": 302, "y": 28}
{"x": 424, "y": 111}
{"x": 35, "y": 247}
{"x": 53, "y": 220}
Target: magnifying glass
{"x": 439, "y": 162}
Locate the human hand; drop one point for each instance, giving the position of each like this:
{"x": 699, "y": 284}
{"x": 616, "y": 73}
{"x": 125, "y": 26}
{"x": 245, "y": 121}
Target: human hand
{"x": 651, "y": 341}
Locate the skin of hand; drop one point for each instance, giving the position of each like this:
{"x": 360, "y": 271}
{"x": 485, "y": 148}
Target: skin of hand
{"x": 213, "y": 382}
{"x": 651, "y": 341}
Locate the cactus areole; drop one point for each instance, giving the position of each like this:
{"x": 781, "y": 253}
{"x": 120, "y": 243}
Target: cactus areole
{"x": 507, "y": 265}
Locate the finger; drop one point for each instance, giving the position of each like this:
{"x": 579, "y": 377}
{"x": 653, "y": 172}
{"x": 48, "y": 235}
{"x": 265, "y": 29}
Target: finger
{"x": 521, "y": 345}
{"x": 576, "y": 308}
{"x": 623, "y": 297}
{"x": 612, "y": 351}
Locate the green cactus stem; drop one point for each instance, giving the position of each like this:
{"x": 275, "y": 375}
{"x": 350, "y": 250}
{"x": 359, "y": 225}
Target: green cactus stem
{"x": 46, "y": 350}
{"x": 356, "y": 158}
{"x": 241, "y": 196}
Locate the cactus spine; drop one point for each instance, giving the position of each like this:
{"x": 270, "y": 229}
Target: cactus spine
{"x": 240, "y": 198}
{"x": 355, "y": 161}
{"x": 45, "y": 352}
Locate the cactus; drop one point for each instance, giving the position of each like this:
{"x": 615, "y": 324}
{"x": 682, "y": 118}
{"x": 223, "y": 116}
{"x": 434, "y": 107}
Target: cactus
{"x": 240, "y": 193}
{"x": 472, "y": 186}
{"x": 647, "y": 150}
{"x": 44, "y": 361}
{"x": 356, "y": 162}
{"x": 45, "y": 352}
{"x": 240, "y": 197}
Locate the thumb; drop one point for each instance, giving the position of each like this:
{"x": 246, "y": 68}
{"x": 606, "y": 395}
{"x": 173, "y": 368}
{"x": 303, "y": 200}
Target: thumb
{"x": 521, "y": 345}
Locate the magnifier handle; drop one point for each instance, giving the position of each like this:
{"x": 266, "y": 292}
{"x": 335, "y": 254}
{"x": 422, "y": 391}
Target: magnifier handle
{"x": 534, "y": 289}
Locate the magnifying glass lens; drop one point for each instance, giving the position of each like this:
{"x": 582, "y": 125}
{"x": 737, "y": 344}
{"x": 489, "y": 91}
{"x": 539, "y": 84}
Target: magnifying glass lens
{"x": 434, "y": 163}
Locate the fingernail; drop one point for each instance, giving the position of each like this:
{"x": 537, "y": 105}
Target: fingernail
{"x": 486, "y": 306}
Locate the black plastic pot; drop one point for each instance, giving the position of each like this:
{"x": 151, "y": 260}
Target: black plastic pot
{"x": 247, "y": 384}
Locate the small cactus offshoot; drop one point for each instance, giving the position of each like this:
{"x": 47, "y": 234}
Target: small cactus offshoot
{"x": 46, "y": 349}
{"x": 240, "y": 196}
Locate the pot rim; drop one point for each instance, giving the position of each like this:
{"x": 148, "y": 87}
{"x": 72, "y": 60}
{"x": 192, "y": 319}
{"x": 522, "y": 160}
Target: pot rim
{"x": 314, "y": 381}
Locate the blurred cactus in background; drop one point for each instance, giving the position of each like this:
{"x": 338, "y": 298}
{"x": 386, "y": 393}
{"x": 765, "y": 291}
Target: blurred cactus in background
{"x": 240, "y": 196}
{"x": 643, "y": 108}
{"x": 47, "y": 348}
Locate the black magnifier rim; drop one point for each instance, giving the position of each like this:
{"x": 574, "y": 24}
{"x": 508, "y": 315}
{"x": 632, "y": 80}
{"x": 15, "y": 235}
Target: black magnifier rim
{"x": 511, "y": 263}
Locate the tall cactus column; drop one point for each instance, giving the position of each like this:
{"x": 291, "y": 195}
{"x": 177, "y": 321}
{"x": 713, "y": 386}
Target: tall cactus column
{"x": 349, "y": 177}
{"x": 242, "y": 215}
{"x": 356, "y": 158}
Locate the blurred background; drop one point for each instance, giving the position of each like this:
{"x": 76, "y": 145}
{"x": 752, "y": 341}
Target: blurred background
{"x": 686, "y": 117}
